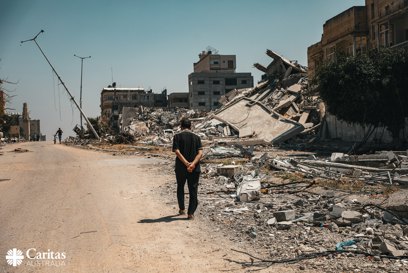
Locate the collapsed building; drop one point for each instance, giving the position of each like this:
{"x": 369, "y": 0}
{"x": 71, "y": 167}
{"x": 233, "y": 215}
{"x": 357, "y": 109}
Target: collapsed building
{"x": 113, "y": 99}
{"x": 291, "y": 206}
{"x": 271, "y": 112}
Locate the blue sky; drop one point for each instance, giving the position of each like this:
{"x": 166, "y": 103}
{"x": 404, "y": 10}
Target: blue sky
{"x": 150, "y": 44}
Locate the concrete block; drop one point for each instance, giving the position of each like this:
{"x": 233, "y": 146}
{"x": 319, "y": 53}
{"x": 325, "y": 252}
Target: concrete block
{"x": 271, "y": 221}
{"x": 304, "y": 117}
{"x": 337, "y": 210}
{"x": 319, "y": 217}
{"x": 228, "y": 170}
{"x": 352, "y": 216}
{"x": 284, "y": 215}
{"x": 388, "y": 248}
{"x": 335, "y": 156}
{"x": 296, "y": 88}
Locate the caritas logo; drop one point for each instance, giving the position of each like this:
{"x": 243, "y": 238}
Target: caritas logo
{"x": 36, "y": 258}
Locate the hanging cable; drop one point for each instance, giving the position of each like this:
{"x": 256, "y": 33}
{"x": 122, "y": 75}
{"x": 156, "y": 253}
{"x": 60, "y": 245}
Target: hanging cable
{"x": 59, "y": 101}
{"x": 53, "y": 90}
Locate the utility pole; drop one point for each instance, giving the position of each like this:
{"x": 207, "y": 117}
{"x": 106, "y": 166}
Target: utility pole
{"x": 80, "y": 89}
{"x": 63, "y": 84}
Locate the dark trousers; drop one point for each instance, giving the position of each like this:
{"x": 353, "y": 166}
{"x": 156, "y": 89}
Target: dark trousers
{"x": 192, "y": 182}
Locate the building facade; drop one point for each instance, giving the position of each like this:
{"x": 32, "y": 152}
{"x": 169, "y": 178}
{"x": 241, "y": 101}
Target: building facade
{"x": 25, "y": 122}
{"x": 35, "y": 130}
{"x": 113, "y": 100}
{"x": 214, "y": 76}
{"x": 388, "y": 21}
{"x": 178, "y": 99}
{"x": 345, "y": 33}
{"x": 380, "y": 23}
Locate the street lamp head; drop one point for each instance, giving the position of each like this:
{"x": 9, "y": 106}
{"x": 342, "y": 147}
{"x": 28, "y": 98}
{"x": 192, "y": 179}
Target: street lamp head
{"x": 82, "y": 57}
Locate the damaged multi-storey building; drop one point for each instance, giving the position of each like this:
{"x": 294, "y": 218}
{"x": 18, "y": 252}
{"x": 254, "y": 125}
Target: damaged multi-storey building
{"x": 380, "y": 23}
{"x": 178, "y": 99}
{"x": 214, "y": 76}
{"x": 114, "y": 99}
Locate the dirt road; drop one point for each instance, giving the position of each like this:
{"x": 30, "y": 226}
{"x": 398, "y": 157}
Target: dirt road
{"x": 99, "y": 212}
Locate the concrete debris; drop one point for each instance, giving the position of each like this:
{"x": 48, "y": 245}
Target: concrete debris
{"x": 284, "y": 215}
{"x": 389, "y": 248}
{"x": 276, "y": 212}
{"x": 273, "y": 111}
{"x": 337, "y": 210}
{"x": 223, "y": 152}
{"x": 382, "y": 167}
{"x": 249, "y": 189}
{"x": 282, "y": 202}
{"x": 271, "y": 221}
{"x": 257, "y": 121}
{"x": 352, "y": 216}
{"x": 228, "y": 170}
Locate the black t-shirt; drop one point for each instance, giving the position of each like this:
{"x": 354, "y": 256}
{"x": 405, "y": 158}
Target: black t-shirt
{"x": 188, "y": 144}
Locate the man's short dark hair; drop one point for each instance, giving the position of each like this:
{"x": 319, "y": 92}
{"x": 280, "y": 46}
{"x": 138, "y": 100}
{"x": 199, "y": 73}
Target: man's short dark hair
{"x": 185, "y": 123}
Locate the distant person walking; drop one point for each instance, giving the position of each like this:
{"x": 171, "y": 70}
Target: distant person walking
{"x": 59, "y": 133}
{"x": 189, "y": 151}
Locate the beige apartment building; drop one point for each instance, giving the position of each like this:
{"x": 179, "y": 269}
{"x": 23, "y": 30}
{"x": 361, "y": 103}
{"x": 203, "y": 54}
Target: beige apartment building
{"x": 378, "y": 23}
{"x": 388, "y": 22}
{"x": 214, "y": 75}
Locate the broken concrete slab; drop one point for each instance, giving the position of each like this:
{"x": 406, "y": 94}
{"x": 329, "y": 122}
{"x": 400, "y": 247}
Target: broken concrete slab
{"x": 246, "y": 132}
{"x": 388, "y": 248}
{"x": 303, "y": 118}
{"x": 221, "y": 152}
{"x": 276, "y": 57}
{"x": 257, "y": 119}
{"x": 398, "y": 203}
{"x": 285, "y": 215}
{"x": 285, "y": 103}
{"x": 338, "y": 210}
{"x": 295, "y": 88}
{"x": 352, "y": 216}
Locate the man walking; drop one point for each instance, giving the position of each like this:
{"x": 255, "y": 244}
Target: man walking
{"x": 59, "y": 133}
{"x": 189, "y": 151}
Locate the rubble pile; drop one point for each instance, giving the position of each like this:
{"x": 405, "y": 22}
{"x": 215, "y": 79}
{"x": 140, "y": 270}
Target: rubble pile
{"x": 340, "y": 221}
{"x": 154, "y": 126}
{"x": 389, "y": 167}
{"x": 273, "y": 111}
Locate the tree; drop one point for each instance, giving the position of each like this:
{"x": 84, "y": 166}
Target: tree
{"x": 369, "y": 88}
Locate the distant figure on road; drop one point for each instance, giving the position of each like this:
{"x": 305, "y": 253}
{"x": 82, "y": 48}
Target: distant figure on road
{"x": 59, "y": 133}
{"x": 189, "y": 151}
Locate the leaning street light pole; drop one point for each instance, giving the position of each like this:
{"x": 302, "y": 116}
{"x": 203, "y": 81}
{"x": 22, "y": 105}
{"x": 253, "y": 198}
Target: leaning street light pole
{"x": 80, "y": 88}
{"x": 63, "y": 84}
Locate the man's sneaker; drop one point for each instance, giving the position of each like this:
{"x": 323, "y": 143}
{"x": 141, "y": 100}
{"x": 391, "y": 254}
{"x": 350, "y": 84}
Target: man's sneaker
{"x": 190, "y": 217}
{"x": 182, "y": 211}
